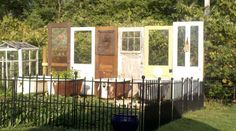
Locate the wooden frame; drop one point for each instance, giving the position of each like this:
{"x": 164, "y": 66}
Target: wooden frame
{"x": 65, "y": 52}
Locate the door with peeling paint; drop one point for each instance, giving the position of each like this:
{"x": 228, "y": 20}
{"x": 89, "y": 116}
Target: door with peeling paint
{"x": 106, "y": 52}
{"x": 130, "y": 52}
{"x": 158, "y": 52}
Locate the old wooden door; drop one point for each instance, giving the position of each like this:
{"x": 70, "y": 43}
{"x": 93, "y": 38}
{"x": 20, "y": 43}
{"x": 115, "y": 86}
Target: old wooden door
{"x": 106, "y": 52}
{"x": 130, "y": 52}
{"x": 58, "y": 46}
{"x": 158, "y": 52}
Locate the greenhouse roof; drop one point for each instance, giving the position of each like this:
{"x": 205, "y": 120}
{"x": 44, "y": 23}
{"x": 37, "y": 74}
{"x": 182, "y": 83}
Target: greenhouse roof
{"x": 16, "y": 45}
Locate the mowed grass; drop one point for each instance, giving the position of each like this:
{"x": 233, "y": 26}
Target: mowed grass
{"x": 213, "y": 117}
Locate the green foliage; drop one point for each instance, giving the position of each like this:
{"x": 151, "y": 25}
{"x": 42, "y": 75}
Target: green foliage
{"x": 220, "y": 50}
{"x": 67, "y": 74}
{"x": 158, "y": 47}
{"x": 12, "y": 29}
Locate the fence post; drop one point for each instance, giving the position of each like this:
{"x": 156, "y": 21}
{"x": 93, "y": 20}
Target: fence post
{"x": 172, "y": 98}
{"x": 159, "y": 102}
{"x": 14, "y": 99}
{"x": 182, "y": 96}
{"x": 74, "y": 87}
{"x": 142, "y": 97}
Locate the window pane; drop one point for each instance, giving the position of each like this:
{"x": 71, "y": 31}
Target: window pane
{"x": 33, "y": 68}
{"x": 12, "y": 55}
{"x": 25, "y": 55}
{"x": 131, "y": 41}
{"x": 82, "y": 47}
{"x": 131, "y": 34}
{"x": 131, "y": 44}
{"x": 33, "y": 54}
{"x": 137, "y": 44}
{"x": 124, "y": 44}
{"x": 124, "y": 34}
{"x": 158, "y": 47}
{"x": 12, "y": 69}
{"x": 25, "y": 68}
{"x": 194, "y": 46}
{"x": 181, "y": 43}
{"x": 137, "y": 34}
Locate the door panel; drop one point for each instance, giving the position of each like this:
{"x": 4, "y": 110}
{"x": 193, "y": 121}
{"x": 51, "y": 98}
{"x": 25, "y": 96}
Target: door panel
{"x": 82, "y": 50}
{"x": 188, "y": 49}
{"x": 83, "y": 54}
{"x": 131, "y": 42}
{"x": 106, "y": 52}
{"x": 58, "y": 46}
{"x": 158, "y": 51}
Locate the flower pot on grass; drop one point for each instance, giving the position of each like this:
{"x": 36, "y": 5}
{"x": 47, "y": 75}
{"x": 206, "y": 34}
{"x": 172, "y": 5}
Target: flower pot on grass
{"x": 121, "y": 122}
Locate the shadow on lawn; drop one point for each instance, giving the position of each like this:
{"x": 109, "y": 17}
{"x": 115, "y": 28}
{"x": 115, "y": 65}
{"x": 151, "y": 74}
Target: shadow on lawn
{"x": 185, "y": 124}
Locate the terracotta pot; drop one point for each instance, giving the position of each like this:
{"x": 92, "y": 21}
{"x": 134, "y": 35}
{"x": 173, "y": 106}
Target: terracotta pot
{"x": 68, "y": 87}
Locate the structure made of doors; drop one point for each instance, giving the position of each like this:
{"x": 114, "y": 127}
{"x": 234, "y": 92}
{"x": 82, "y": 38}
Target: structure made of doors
{"x": 130, "y": 52}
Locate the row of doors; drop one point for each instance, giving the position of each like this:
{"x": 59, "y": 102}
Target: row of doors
{"x": 130, "y": 52}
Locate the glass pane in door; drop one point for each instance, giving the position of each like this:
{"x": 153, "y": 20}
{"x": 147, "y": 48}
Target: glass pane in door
{"x": 194, "y": 46}
{"x": 82, "y": 47}
{"x": 181, "y": 44}
{"x": 158, "y": 47}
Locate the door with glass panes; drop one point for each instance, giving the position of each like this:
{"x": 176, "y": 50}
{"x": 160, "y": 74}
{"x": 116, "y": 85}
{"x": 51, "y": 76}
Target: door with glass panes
{"x": 130, "y": 52}
{"x": 83, "y": 53}
{"x": 188, "y": 49}
{"x": 158, "y": 52}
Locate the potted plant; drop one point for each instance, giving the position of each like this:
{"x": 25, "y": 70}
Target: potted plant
{"x": 66, "y": 83}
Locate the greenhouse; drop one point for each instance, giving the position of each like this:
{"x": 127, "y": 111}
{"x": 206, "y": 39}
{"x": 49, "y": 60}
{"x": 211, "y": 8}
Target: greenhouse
{"x": 19, "y": 58}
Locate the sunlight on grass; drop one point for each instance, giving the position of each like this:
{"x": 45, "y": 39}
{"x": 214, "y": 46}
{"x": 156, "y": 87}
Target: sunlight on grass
{"x": 213, "y": 117}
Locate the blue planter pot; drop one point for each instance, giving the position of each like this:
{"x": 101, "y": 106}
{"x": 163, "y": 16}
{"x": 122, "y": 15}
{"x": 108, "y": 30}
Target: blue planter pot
{"x": 123, "y": 122}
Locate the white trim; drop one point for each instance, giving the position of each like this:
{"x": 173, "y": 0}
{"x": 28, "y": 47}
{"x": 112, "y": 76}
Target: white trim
{"x": 20, "y": 62}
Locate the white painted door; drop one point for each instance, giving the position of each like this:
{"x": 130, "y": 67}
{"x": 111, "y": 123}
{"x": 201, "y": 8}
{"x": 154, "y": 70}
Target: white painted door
{"x": 130, "y": 52}
{"x": 188, "y": 49}
{"x": 83, "y": 54}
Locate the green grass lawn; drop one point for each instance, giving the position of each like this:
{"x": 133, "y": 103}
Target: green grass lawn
{"x": 213, "y": 117}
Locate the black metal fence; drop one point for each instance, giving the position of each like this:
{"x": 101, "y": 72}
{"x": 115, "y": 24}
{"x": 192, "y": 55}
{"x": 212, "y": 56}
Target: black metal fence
{"x": 90, "y": 104}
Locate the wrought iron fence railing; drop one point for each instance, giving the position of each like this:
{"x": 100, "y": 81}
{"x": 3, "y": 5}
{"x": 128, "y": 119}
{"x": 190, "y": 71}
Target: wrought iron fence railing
{"x": 91, "y": 104}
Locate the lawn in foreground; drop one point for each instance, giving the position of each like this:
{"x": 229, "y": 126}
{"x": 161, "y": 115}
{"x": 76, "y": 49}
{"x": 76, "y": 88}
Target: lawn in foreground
{"x": 212, "y": 117}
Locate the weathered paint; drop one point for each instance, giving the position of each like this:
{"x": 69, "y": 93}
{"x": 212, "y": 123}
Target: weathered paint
{"x": 106, "y": 52}
{"x": 130, "y": 63}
